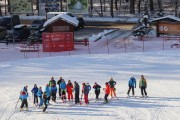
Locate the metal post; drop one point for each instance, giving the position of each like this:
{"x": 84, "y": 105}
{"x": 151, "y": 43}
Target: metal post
{"x": 108, "y": 45}
{"x": 163, "y": 44}
{"x": 125, "y": 44}
{"x": 12, "y": 27}
{"x": 143, "y": 45}
{"x": 89, "y": 49}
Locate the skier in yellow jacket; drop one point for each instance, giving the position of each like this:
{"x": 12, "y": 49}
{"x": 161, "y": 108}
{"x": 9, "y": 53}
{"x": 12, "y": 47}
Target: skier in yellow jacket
{"x": 143, "y": 86}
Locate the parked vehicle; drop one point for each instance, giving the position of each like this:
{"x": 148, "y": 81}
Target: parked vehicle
{"x": 37, "y": 24}
{"x": 21, "y": 32}
{"x": 80, "y": 19}
{"x": 3, "y": 33}
{"x": 9, "y": 21}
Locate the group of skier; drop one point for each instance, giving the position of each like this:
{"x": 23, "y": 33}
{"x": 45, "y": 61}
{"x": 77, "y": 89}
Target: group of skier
{"x": 51, "y": 90}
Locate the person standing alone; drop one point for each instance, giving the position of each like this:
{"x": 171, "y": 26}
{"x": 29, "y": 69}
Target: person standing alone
{"x": 143, "y": 86}
{"x": 132, "y": 85}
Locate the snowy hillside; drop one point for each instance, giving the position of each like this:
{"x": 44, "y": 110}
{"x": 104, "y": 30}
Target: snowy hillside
{"x": 161, "y": 69}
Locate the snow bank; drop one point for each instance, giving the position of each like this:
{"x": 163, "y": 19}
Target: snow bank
{"x": 103, "y": 35}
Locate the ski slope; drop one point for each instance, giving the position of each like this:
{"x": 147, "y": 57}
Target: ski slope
{"x": 161, "y": 69}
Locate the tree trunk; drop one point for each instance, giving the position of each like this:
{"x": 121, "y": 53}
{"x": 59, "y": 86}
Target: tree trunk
{"x": 61, "y": 5}
{"x": 176, "y": 8}
{"x": 159, "y": 5}
{"x": 8, "y": 6}
{"x": 37, "y": 5}
{"x": 91, "y": 5}
{"x": 0, "y": 10}
{"x": 151, "y": 5}
{"x": 104, "y": 5}
{"x": 139, "y": 6}
{"x": 111, "y": 9}
{"x": 116, "y": 6}
{"x": 132, "y": 8}
{"x": 101, "y": 7}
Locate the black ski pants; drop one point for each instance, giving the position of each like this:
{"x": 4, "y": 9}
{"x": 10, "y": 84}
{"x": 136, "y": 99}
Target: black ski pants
{"x": 97, "y": 92}
{"x": 76, "y": 97}
{"x": 53, "y": 96}
{"x": 105, "y": 97}
{"x": 131, "y": 87}
{"x": 24, "y": 102}
{"x": 143, "y": 91}
{"x": 59, "y": 92}
{"x": 49, "y": 98}
{"x": 45, "y": 104}
{"x": 35, "y": 99}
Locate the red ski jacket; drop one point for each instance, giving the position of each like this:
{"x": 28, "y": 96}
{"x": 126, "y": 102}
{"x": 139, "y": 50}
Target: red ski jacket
{"x": 107, "y": 89}
{"x": 69, "y": 87}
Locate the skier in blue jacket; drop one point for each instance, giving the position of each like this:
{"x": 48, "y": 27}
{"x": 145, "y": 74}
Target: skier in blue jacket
{"x": 132, "y": 85}
{"x": 53, "y": 92}
{"x": 63, "y": 90}
{"x": 48, "y": 92}
{"x": 24, "y": 97}
{"x": 39, "y": 94}
{"x": 34, "y": 91}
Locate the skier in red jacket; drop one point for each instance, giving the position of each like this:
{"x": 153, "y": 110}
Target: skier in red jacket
{"x": 107, "y": 92}
{"x": 69, "y": 88}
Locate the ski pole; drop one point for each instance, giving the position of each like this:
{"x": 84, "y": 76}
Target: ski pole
{"x": 81, "y": 99}
{"x": 17, "y": 103}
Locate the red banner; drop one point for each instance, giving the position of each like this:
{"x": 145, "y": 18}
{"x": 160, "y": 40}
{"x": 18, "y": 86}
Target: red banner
{"x": 60, "y": 41}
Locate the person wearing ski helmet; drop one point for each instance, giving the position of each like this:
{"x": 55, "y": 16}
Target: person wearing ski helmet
{"x": 112, "y": 84}
{"x": 132, "y": 85}
{"x": 25, "y": 89}
{"x": 24, "y": 97}
{"x": 63, "y": 90}
{"x": 45, "y": 99}
{"x": 107, "y": 92}
{"x": 34, "y": 92}
{"x": 58, "y": 83}
{"x": 48, "y": 92}
{"x": 52, "y": 81}
{"x": 143, "y": 86}
{"x": 86, "y": 90}
{"x": 53, "y": 90}
{"x": 39, "y": 94}
{"x": 76, "y": 91}
{"x": 97, "y": 90}
{"x": 69, "y": 88}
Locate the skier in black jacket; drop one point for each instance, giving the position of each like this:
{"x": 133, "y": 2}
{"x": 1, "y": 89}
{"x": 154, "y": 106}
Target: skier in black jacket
{"x": 45, "y": 98}
{"x": 76, "y": 89}
{"x": 97, "y": 90}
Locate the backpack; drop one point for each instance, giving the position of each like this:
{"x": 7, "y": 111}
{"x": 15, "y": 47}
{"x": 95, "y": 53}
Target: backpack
{"x": 87, "y": 88}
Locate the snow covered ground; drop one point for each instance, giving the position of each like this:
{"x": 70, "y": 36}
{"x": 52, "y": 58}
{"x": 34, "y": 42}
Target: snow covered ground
{"x": 127, "y": 56}
{"x": 161, "y": 69}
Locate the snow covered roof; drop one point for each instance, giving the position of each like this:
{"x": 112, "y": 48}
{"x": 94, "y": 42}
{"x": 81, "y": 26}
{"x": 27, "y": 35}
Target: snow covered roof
{"x": 165, "y": 17}
{"x": 19, "y": 26}
{"x": 63, "y": 17}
